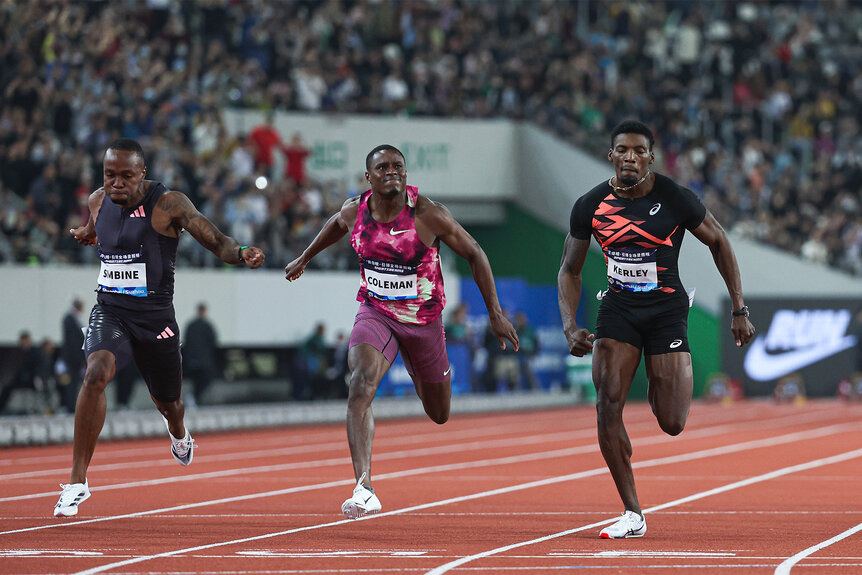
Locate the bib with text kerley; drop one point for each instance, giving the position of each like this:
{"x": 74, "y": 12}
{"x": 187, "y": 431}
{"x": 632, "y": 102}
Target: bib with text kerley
{"x": 390, "y": 280}
{"x": 632, "y": 269}
{"x": 123, "y": 273}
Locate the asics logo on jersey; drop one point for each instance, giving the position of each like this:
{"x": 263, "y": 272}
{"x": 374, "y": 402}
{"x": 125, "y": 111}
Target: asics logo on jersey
{"x": 675, "y": 343}
{"x": 654, "y": 210}
{"x": 395, "y": 232}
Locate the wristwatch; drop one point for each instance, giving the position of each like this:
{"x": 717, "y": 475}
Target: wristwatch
{"x": 743, "y": 312}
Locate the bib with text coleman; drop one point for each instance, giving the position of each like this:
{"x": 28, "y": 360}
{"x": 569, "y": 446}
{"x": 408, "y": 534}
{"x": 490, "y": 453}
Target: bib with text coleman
{"x": 390, "y": 280}
{"x": 123, "y": 273}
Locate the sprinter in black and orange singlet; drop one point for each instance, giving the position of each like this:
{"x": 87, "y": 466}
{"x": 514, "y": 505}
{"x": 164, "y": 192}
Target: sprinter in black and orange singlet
{"x": 136, "y": 233}
{"x": 639, "y": 219}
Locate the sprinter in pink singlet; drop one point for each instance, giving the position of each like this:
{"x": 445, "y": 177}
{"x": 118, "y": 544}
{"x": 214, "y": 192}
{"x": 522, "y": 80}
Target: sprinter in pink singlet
{"x": 397, "y": 232}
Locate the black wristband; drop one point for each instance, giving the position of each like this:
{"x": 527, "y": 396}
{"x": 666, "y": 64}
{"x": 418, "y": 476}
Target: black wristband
{"x": 239, "y": 252}
{"x": 742, "y": 312}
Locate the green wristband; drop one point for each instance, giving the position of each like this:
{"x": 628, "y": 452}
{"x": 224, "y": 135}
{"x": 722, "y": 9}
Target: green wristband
{"x": 239, "y": 253}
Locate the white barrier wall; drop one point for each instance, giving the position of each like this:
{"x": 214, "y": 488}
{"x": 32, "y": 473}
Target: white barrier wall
{"x": 248, "y": 307}
{"x": 447, "y": 159}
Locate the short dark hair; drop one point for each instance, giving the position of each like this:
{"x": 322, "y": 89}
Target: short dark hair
{"x": 380, "y": 148}
{"x": 128, "y": 145}
{"x": 632, "y": 127}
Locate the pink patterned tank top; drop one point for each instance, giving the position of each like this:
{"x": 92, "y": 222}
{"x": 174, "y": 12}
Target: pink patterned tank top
{"x": 401, "y": 276}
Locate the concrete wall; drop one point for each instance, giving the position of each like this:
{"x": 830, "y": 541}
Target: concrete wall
{"x": 248, "y": 307}
{"x": 449, "y": 160}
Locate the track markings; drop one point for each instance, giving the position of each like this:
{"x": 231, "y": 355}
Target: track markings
{"x": 734, "y": 448}
{"x": 694, "y": 497}
{"x": 788, "y": 564}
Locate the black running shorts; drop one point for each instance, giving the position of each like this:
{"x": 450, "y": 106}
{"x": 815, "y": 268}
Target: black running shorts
{"x": 656, "y": 328}
{"x": 152, "y": 339}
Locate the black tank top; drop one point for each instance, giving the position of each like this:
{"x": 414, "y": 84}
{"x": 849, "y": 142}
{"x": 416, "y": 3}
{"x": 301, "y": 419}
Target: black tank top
{"x": 137, "y": 271}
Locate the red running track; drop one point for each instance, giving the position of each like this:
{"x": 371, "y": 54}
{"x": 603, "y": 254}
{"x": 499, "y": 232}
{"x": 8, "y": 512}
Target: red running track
{"x": 750, "y": 488}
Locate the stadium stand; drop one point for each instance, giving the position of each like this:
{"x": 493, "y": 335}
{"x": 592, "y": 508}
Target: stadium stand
{"x": 754, "y": 104}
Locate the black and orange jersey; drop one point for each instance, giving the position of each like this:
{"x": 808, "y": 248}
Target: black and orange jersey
{"x": 640, "y": 237}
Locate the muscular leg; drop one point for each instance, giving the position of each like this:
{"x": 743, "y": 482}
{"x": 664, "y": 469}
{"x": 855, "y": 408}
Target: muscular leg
{"x": 436, "y": 398}
{"x": 367, "y": 367}
{"x": 90, "y": 411}
{"x": 173, "y": 411}
{"x": 671, "y": 383}
{"x": 614, "y": 365}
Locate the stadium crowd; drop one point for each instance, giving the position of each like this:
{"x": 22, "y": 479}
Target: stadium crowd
{"x": 754, "y": 104}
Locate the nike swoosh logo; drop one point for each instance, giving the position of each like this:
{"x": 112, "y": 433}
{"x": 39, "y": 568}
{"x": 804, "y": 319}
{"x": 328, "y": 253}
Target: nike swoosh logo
{"x": 762, "y": 366}
{"x": 445, "y": 373}
{"x": 367, "y": 499}
{"x": 395, "y": 233}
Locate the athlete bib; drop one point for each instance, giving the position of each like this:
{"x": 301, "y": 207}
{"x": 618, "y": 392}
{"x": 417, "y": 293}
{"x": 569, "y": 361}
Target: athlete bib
{"x": 632, "y": 269}
{"x": 123, "y": 274}
{"x": 390, "y": 280}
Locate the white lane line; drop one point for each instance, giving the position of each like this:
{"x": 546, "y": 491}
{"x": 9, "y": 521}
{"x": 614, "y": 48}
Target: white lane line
{"x": 527, "y": 440}
{"x": 301, "y": 438}
{"x": 425, "y": 451}
{"x": 771, "y": 442}
{"x": 786, "y": 565}
{"x": 754, "y": 444}
{"x": 694, "y": 497}
{"x": 245, "y": 454}
{"x": 482, "y": 428}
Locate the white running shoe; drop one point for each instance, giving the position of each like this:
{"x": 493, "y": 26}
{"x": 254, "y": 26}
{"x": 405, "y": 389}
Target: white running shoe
{"x": 630, "y": 524}
{"x": 363, "y": 502}
{"x": 183, "y": 449}
{"x": 73, "y": 494}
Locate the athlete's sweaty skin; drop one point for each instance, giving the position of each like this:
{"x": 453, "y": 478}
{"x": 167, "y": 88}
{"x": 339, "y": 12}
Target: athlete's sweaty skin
{"x": 406, "y": 228}
{"x": 639, "y": 202}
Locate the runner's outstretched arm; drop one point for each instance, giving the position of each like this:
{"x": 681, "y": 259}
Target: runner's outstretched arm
{"x": 333, "y": 230}
{"x": 713, "y": 236}
{"x": 450, "y": 232}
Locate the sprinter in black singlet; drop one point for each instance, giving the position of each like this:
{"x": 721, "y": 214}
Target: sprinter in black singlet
{"x": 639, "y": 219}
{"x": 136, "y": 232}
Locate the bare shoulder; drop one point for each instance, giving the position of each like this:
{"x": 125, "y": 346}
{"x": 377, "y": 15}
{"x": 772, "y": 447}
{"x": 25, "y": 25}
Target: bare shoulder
{"x": 175, "y": 203}
{"x": 95, "y": 199}
{"x": 428, "y": 208}
{"x": 433, "y": 214}
{"x": 350, "y": 208}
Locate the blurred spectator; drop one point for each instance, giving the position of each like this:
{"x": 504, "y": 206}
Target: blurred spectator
{"x": 309, "y": 365}
{"x": 754, "y": 105}
{"x": 71, "y": 363}
{"x": 336, "y": 374}
{"x": 199, "y": 355}
{"x": 295, "y": 154}
{"x": 503, "y": 369}
{"x": 26, "y": 372}
{"x": 527, "y": 350}
{"x": 457, "y": 329}
{"x": 125, "y": 384}
{"x": 266, "y": 139}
